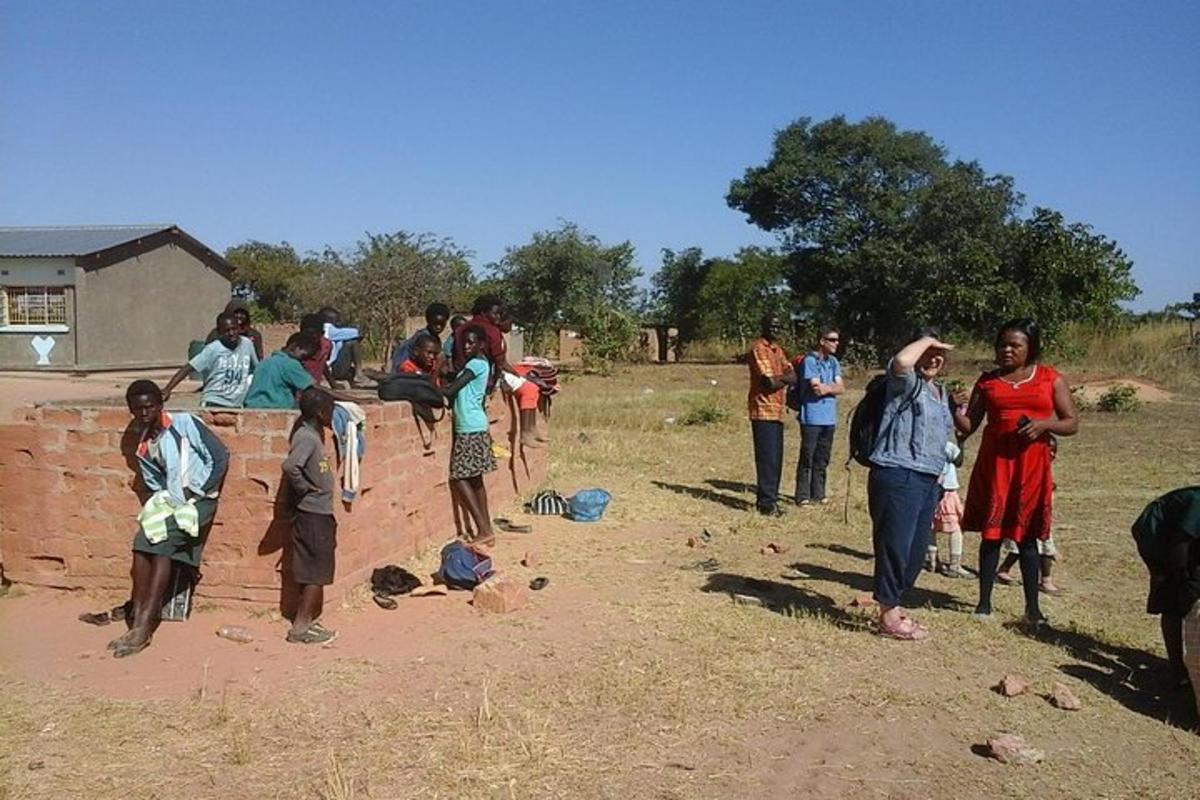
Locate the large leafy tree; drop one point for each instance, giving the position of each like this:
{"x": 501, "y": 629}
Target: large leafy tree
{"x": 568, "y": 277}
{"x": 883, "y": 232}
{"x": 387, "y": 278}
{"x": 675, "y": 297}
{"x": 273, "y": 276}
{"x": 737, "y": 292}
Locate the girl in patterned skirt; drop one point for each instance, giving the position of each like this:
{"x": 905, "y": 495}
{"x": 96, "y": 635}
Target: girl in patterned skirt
{"x": 471, "y": 452}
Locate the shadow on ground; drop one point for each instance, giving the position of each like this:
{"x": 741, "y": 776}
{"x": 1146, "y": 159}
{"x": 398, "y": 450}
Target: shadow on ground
{"x": 917, "y": 597}
{"x": 701, "y": 493}
{"x": 1140, "y": 681}
{"x": 732, "y": 486}
{"x": 842, "y": 550}
{"x": 781, "y": 598}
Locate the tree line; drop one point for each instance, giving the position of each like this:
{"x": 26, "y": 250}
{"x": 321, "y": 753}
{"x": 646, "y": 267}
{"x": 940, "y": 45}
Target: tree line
{"x": 877, "y": 230}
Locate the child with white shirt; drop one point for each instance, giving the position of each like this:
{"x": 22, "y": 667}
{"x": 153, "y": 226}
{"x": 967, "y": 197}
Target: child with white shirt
{"x": 947, "y": 519}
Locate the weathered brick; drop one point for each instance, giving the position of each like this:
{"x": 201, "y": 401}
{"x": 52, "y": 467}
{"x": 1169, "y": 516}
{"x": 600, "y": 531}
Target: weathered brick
{"x": 97, "y": 440}
{"x": 115, "y": 418}
{"x": 61, "y": 417}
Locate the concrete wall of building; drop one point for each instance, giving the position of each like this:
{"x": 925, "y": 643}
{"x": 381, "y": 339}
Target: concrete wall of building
{"x": 143, "y": 311}
{"x": 57, "y": 342}
{"x": 26, "y": 271}
{"x": 68, "y": 498}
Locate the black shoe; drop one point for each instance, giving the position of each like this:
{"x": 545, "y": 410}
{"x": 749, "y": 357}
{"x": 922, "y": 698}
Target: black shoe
{"x": 773, "y": 511}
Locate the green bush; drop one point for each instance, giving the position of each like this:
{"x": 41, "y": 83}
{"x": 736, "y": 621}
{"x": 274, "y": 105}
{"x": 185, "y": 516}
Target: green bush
{"x": 708, "y": 411}
{"x": 1121, "y": 399}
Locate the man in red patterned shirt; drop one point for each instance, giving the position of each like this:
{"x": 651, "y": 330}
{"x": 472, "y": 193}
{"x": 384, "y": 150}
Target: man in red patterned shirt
{"x": 770, "y": 374}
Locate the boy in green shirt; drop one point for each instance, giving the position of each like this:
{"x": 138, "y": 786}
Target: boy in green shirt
{"x": 280, "y": 378}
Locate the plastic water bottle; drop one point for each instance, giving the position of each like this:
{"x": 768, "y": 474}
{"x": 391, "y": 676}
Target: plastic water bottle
{"x": 235, "y": 633}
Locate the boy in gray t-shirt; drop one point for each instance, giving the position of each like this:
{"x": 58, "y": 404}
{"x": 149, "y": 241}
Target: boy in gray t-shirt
{"x": 314, "y": 528}
{"x": 225, "y": 366}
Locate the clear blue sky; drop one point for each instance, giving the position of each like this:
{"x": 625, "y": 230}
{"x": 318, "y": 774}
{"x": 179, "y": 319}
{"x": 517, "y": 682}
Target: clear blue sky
{"x": 486, "y": 121}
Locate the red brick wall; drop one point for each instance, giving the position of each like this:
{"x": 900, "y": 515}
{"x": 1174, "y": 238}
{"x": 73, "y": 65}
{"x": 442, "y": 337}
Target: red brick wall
{"x": 68, "y": 502}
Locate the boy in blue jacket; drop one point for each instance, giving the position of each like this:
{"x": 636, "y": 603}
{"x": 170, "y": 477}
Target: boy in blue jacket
{"x": 182, "y": 464}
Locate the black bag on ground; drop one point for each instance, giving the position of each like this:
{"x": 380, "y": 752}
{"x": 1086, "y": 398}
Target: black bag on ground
{"x": 391, "y": 580}
{"x": 414, "y": 388}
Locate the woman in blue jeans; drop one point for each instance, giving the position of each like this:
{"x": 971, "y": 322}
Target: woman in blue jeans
{"x": 903, "y": 489}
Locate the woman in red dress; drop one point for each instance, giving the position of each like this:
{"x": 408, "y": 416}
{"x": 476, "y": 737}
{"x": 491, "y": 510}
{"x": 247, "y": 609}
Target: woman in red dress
{"x": 1009, "y": 496}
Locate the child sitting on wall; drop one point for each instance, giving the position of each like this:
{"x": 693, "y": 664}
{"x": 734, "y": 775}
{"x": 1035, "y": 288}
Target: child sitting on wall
{"x": 225, "y": 366}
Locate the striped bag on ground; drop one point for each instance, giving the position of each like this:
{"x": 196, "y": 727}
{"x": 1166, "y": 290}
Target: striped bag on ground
{"x": 547, "y": 502}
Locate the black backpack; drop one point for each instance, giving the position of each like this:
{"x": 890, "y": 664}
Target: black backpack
{"x": 418, "y": 390}
{"x": 796, "y": 392}
{"x": 414, "y": 388}
{"x": 866, "y": 418}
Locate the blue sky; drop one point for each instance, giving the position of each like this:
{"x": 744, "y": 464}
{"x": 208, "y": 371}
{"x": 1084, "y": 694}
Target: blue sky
{"x": 314, "y": 122}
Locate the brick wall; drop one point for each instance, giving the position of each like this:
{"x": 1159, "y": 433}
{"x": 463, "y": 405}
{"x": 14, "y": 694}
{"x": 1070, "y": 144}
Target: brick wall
{"x": 68, "y": 498}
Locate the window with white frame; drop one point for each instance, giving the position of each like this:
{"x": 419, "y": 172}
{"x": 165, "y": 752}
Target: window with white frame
{"x": 34, "y": 305}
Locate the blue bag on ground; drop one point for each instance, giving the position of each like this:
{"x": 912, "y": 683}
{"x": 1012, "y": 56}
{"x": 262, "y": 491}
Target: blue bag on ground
{"x": 587, "y": 505}
{"x": 463, "y": 568}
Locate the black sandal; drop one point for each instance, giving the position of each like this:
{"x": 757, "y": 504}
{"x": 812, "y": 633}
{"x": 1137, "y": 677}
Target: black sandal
{"x": 508, "y": 526}
{"x": 90, "y": 618}
{"x": 385, "y": 602}
{"x": 538, "y": 584}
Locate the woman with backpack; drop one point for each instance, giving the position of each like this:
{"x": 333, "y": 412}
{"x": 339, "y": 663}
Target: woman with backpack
{"x": 1012, "y": 485}
{"x": 906, "y": 461}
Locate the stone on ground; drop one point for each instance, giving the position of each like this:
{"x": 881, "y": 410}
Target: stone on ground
{"x": 499, "y": 596}
{"x": 1009, "y": 748}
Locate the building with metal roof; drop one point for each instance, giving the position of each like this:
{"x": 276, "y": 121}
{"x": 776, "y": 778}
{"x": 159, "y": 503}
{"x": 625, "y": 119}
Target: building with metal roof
{"x": 99, "y": 297}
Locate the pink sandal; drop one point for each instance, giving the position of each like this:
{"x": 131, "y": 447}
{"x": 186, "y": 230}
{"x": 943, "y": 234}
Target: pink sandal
{"x": 906, "y": 630}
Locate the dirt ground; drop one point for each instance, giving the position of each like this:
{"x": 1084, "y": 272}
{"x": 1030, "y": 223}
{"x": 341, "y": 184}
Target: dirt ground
{"x": 634, "y": 672}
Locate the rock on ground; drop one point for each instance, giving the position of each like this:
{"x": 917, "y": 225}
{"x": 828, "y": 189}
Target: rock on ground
{"x": 1013, "y": 685}
{"x": 1064, "y": 698}
{"x": 499, "y": 596}
{"x": 1009, "y": 748}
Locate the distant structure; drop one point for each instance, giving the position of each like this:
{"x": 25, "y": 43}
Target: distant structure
{"x": 105, "y": 297}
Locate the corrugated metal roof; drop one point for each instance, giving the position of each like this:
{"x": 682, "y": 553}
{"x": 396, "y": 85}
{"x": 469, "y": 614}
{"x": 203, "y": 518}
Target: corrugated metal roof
{"x": 70, "y": 240}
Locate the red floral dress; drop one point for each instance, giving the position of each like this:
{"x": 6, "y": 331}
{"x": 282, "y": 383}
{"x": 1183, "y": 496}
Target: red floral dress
{"x": 1012, "y": 486}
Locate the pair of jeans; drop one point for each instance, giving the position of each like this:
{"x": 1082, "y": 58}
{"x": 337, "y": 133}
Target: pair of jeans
{"x": 768, "y": 461}
{"x": 901, "y": 502}
{"x": 816, "y": 443}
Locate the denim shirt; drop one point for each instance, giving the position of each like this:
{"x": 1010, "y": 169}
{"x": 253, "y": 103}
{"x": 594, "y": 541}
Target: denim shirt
{"x": 915, "y": 425}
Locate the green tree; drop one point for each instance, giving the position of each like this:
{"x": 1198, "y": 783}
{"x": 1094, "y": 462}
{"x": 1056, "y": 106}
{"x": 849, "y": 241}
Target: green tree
{"x": 883, "y": 232}
{"x": 272, "y": 276}
{"x": 737, "y": 292}
{"x": 675, "y": 296}
{"x": 387, "y": 278}
{"x": 1062, "y": 273}
{"x": 562, "y": 277}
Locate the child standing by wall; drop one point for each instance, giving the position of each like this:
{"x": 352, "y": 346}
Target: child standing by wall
{"x": 471, "y": 454}
{"x": 947, "y": 518}
{"x": 314, "y": 528}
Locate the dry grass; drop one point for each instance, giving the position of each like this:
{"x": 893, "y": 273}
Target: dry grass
{"x": 641, "y": 677}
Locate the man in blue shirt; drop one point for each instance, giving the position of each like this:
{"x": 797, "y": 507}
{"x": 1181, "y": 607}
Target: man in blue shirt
{"x": 821, "y": 379}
